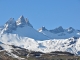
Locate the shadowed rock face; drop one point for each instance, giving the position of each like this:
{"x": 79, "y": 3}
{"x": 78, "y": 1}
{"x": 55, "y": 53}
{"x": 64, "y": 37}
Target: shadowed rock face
{"x": 4, "y": 56}
{"x": 70, "y": 30}
{"x": 10, "y": 25}
{"x": 60, "y": 29}
{"x": 57, "y": 30}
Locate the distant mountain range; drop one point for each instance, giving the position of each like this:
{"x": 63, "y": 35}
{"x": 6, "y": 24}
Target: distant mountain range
{"x": 21, "y": 33}
{"x": 60, "y": 32}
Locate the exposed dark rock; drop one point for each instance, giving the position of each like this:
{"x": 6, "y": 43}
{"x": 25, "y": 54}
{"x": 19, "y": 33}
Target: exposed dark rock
{"x": 20, "y": 52}
{"x": 62, "y": 53}
{"x": 36, "y": 53}
{"x": 4, "y": 56}
{"x": 1, "y": 48}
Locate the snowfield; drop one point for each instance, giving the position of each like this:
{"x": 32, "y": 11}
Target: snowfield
{"x": 70, "y": 45}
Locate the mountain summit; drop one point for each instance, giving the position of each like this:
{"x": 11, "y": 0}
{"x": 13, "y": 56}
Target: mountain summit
{"x": 23, "y": 21}
{"x": 9, "y": 26}
{"x": 23, "y": 28}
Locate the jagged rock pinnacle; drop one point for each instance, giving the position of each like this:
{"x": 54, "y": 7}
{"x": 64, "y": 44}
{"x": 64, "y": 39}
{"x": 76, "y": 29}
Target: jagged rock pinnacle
{"x": 23, "y": 21}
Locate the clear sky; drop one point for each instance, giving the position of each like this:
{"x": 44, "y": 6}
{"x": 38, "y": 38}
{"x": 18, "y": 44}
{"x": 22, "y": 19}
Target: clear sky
{"x": 48, "y": 13}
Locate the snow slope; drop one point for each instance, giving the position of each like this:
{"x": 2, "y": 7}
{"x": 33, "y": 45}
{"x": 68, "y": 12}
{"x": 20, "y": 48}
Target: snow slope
{"x": 27, "y": 31}
{"x": 70, "y": 45}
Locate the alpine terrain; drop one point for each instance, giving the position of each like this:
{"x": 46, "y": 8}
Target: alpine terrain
{"x": 19, "y": 38}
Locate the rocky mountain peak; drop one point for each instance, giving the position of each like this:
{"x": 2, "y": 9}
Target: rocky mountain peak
{"x": 20, "y": 20}
{"x": 23, "y": 21}
{"x": 10, "y": 21}
{"x": 10, "y": 25}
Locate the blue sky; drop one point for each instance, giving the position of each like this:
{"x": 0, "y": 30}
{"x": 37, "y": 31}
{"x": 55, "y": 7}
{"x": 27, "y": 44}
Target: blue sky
{"x": 48, "y": 13}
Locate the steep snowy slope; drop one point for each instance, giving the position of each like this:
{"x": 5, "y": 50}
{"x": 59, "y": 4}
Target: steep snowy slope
{"x": 69, "y": 45}
{"x": 60, "y": 33}
{"x": 23, "y": 28}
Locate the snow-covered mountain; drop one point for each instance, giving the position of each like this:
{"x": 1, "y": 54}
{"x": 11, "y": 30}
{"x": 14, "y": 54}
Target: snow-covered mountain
{"x": 23, "y": 28}
{"x": 60, "y": 33}
{"x": 21, "y": 33}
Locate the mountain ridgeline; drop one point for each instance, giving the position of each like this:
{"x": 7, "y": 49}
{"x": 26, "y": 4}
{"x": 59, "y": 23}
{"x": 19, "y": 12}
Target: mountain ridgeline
{"x": 22, "y": 27}
{"x": 22, "y": 34}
